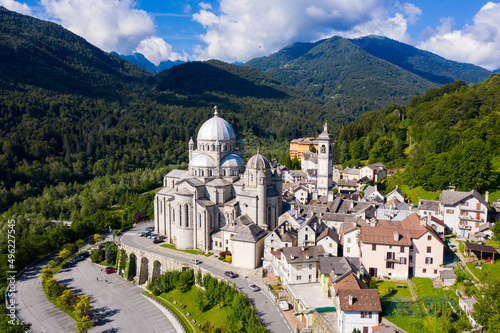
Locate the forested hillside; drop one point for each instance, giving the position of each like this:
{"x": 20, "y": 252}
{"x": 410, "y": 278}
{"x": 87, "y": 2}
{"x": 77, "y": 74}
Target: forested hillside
{"x": 447, "y": 136}
{"x": 71, "y": 112}
{"x": 364, "y": 74}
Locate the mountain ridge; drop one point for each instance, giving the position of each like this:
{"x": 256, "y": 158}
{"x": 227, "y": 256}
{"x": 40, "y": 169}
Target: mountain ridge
{"x": 338, "y": 68}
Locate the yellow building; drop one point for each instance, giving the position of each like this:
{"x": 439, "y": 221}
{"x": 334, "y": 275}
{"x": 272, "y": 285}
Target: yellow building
{"x": 299, "y": 146}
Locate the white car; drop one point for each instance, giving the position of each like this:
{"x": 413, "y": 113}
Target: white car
{"x": 284, "y": 305}
{"x": 194, "y": 261}
{"x": 253, "y": 287}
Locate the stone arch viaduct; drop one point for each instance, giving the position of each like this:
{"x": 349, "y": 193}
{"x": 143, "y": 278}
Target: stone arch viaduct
{"x": 149, "y": 265}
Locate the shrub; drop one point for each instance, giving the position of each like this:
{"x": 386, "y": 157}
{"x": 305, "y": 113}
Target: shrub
{"x": 97, "y": 256}
{"x": 156, "y": 292}
{"x": 229, "y": 258}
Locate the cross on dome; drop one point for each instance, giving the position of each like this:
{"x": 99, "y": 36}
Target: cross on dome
{"x": 216, "y": 113}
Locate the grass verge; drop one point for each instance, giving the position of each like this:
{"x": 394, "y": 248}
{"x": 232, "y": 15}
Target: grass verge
{"x": 215, "y": 315}
{"x": 53, "y": 301}
{"x": 172, "y": 247}
{"x": 182, "y": 318}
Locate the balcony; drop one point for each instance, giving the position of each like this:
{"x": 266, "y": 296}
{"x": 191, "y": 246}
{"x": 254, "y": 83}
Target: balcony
{"x": 469, "y": 218}
{"x": 391, "y": 259}
{"x": 464, "y": 226}
{"x": 471, "y": 209}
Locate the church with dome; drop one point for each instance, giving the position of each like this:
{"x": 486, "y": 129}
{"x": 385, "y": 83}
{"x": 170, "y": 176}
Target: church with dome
{"x": 220, "y": 203}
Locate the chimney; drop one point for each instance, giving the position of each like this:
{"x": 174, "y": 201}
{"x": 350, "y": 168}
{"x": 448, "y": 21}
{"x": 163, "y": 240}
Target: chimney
{"x": 486, "y": 195}
{"x": 292, "y": 256}
{"x": 303, "y": 248}
{"x": 350, "y": 299}
{"x": 451, "y": 188}
{"x": 307, "y": 256}
{"x": 396, "y": 236}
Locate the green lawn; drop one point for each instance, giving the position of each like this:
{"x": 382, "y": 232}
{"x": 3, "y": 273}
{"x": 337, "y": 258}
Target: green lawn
{"x": 418, "y": 192}
{"x": 424, "y": 287}
{"x": 388, "y": 288}
{"x": 172, "y": 247}
{"x": 487, "y": 269}
{"x": 216, "y": 315}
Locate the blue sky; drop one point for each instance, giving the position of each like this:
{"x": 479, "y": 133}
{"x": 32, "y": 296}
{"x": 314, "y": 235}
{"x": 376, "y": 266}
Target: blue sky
{"x": 239, "y": 30}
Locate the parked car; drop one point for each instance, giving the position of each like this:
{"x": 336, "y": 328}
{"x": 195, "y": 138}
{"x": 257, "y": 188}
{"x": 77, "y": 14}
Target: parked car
{"x": 110, "y": 270}
{"x": 141, "y": 233}
{"x": 253, "y": 287}
{"x": 151, "y": 228}
{"x": 194, "y": 261}
{"x": 157, "y": 240}
{"x": 231, "y": 274}
{"x": 283, "y": 304}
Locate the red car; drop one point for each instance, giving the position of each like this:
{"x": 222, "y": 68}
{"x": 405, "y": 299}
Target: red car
{"x": 110, "y": 270}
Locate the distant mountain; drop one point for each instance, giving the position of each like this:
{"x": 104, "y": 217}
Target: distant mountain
{"x": 363, "y": 74}
{"x": 496, "y": 70}
{"x": 141, "y": 61}
{"x": 70, "y": 112}
{"x": 425, "y": 64}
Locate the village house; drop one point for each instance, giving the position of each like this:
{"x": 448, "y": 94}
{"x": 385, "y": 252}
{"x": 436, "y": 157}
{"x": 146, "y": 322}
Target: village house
{"x": 301, "y": 145}
{"x": 282, "y": 236}
{"x": 350, "y": 174}
{"x": 329, "y": 239}
{"x": 310, "y": 231}
{"x": 396, "y": 194}
{"x": 297, "y": 264}
{"x": 463, "y": 212}
{"x": 374, "y": 171}
{"x": 429, "y": 207}
{"x": 413, "y": 249}
{"x": 371, "y": 194}
{"x": 358, "y": 309}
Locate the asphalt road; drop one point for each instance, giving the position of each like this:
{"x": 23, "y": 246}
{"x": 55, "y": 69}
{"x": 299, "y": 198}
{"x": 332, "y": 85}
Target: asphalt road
{"x": 271, "y": 316}
{"x": 33, "y": 306}
{"x": 118, "y": 304}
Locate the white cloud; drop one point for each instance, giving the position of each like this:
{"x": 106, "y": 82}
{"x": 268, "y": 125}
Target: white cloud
{"x": 241, "y": 29}
{"x": 410, "y": 10}
{"x": 112, "y": 25}
{"x": 477, "y": 43}
{"x": 16, "y": 6}
{"x": 156, "y": 50}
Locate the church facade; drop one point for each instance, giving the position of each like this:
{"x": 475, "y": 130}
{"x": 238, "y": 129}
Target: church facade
{"x": 217, "y": 191}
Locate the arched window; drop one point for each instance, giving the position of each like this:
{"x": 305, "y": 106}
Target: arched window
{"x": 196, "y": 172}
{"x": 323, "y": 149}
{"x": 269, "y": 215}
{"x": 232, "y": 172}
{"x": 199, "y": 220}
{"x": 220, "y": 219}
{"x": 210, "y": 173}
{"x": 173, "y": 215}
{"x": 208, "y": 147}
{"x": 224, "y": 172}
{"x": 180, "y": 215}
{"x": 187, "y": 216}
{"x": 202, "y": 173}
{"x": 251, "y": 177}
{"x": 224, "y": 147}
{"x": 213, "y": 147}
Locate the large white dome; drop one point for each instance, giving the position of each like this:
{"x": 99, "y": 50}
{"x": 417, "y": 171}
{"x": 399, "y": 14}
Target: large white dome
{"x": 232, "y": 160}
{"x": 202, "y": 161}
{"x": 216, "y": 129}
